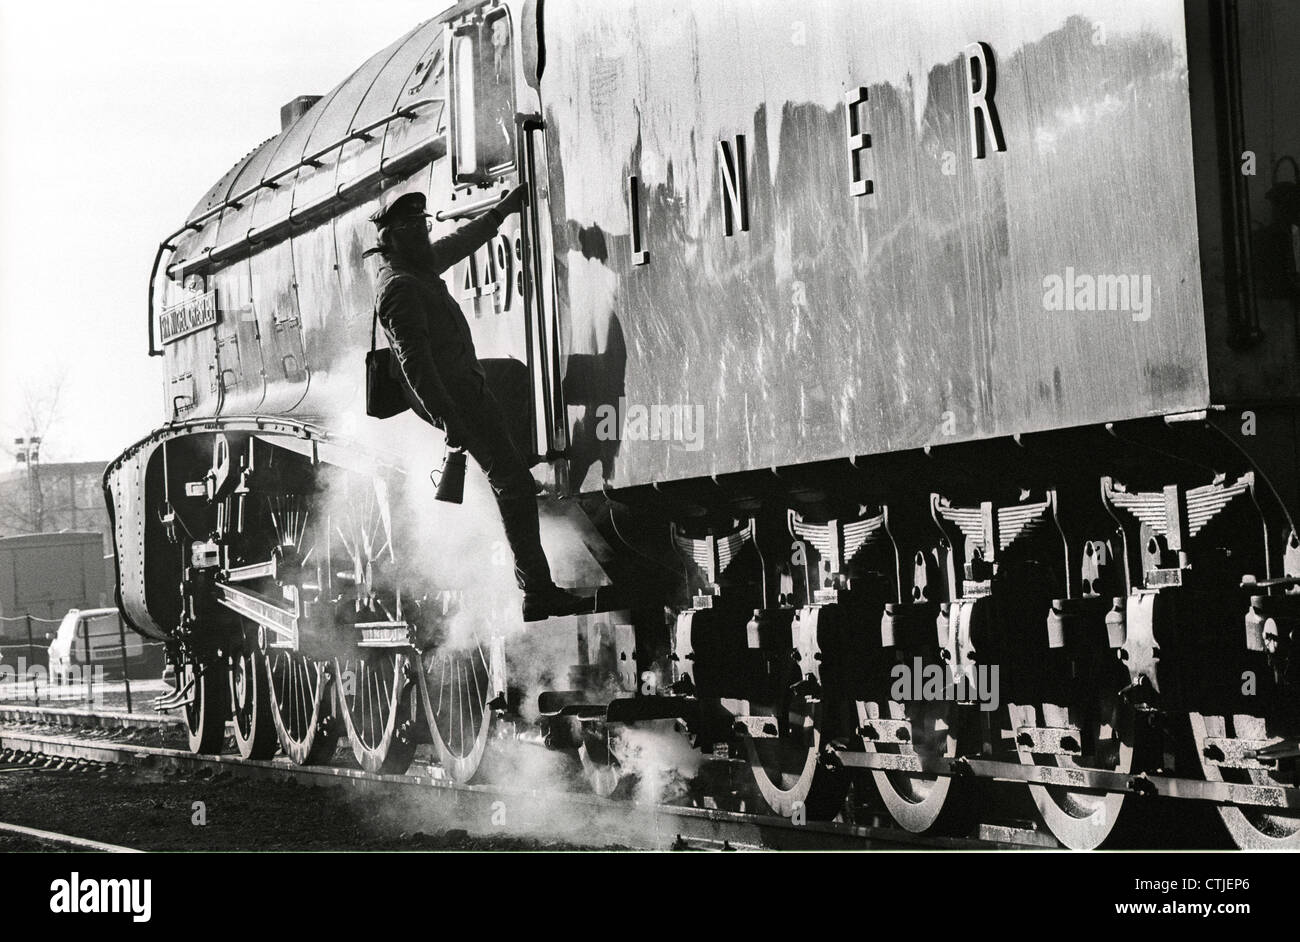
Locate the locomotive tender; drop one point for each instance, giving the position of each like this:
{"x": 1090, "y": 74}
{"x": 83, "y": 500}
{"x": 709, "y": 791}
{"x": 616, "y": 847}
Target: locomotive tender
{"x": 856, "y": 344}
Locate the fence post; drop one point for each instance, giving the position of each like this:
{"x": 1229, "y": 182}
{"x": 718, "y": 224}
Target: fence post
{"x": 126, "y": 677}
{"x": 31, "y": 654}
{"x": 90, "y": 663}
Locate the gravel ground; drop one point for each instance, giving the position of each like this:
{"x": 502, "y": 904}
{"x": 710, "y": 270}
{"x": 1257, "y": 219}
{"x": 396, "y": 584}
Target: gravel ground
{"x": 148, "y": 811}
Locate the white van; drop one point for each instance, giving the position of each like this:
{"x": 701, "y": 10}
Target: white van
{"x": 100, "y": 627}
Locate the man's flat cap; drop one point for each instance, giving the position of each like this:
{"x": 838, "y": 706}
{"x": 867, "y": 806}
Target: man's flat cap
{"x": 399, "y": 208}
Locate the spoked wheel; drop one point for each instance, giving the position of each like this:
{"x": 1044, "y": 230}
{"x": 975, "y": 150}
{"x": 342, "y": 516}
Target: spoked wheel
{"x": 376, "y": 699}
{"x": 251, "y": 709}
{"x": 785, "y": 759}
{"x": 301, "y": 706}
{"x": 1248, "y": 828}
{"x": 1101, "y": 738}
{"x": 916, "y": 801}
{"x": 459, "y": 686}
{"x": 209, "y": 706}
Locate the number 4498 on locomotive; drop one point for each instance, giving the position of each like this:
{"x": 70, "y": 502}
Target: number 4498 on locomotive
{"x": 914, "y": 383}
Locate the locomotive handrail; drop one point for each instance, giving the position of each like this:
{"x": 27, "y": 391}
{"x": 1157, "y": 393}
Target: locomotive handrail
{"x": 314, "y": 160}
{"x": 299, "y": 214}
{"x": 532, "y": 298}
{"x": 473, "y": 209}
{"x": 153, "y": 277}
{"x": 164, "y": 246}
{"x": 553, "y": 395}
{"x": 409, "y": 111}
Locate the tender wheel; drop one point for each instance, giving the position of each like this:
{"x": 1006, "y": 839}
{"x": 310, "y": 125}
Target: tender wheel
{"x": 458, "y": 689}
{"x": 251, "y": 709}
{"x": 787, "y": 766}
{"x": 1248, "y": 828}
{"x": 301, "y": 706}
{"x": 916, "y": 801}
{"x": 1079, "y": 819}
{"x": 376, "y": 698}
{"x": 209, "y": 706}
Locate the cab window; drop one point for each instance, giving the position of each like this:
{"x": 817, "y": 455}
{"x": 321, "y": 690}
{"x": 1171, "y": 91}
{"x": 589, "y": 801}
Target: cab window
{"x": 483, "y": 75}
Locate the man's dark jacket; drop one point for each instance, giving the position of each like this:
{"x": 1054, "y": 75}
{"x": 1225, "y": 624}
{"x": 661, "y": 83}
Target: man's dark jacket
{"x": 429, "y": 333}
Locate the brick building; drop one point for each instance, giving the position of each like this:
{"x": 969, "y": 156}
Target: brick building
{"x": 55, "y": 497}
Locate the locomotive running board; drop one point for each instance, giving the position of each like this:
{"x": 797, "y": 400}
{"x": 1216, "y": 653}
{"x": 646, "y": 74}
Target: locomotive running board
{"x": 1280, "y": 797}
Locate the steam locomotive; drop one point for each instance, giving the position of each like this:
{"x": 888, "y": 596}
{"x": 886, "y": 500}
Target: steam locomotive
{"x": 916, "y": 382}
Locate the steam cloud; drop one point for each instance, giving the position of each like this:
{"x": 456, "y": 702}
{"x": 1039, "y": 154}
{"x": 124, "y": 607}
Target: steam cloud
{"x": 456, "y": 558}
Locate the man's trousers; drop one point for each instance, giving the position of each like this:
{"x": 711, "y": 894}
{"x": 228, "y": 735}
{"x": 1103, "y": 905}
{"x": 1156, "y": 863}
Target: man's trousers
{"x": 491, "y": 447}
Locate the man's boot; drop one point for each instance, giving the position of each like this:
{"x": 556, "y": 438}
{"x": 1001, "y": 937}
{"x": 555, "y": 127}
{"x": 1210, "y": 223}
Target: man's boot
{"x": 542, "y": 597}
{"x": 552, "y": 601}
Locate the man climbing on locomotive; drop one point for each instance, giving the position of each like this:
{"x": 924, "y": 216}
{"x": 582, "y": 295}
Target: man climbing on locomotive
{"x": 446, "y": 385}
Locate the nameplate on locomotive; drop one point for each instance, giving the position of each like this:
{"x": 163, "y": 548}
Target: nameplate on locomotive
{"x": 192, "y": 314}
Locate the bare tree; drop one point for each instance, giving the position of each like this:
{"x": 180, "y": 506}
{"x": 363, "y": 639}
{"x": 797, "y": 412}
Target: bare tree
{"x": 24, "y": 508}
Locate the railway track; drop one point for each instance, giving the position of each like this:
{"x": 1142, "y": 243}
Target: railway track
{"x": 62, "y": 841}
{"x": 85, "y": 719}
{"x": 39, "y": 734}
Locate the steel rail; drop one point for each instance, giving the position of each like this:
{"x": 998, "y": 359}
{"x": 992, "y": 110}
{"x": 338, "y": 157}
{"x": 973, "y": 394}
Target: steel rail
{"x": 600, "y": 820}
{"x": 64, "y": 840}
{"x": 84, "y": 719}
